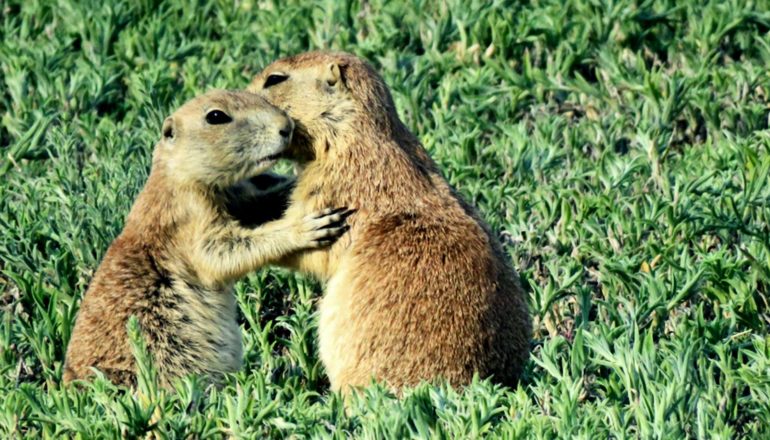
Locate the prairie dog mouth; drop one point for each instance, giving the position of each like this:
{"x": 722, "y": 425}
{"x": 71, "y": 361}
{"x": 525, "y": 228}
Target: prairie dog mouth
{"x": 271, "y": 157}
{"x": 265, "y": 181}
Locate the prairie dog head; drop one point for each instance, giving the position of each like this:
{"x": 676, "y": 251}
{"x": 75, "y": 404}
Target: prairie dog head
{"x": 222, "y": 137}
{"x": 328, "y": 94}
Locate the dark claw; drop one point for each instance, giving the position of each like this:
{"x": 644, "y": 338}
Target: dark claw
{"x": 339, "y": 223}
{"x": 332, "y": 225}
{"x": 334, "y": 235}
{"x": 341, "y": 231}
{"x": 332, "y": 212}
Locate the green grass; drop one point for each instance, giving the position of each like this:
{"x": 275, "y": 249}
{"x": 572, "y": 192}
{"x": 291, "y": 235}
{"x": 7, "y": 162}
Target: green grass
{"x": 620, "y": 148}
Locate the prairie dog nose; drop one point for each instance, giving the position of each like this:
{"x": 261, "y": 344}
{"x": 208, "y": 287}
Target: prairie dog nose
{"x": 286, "y": 130}
{"x": 285, "y": 125}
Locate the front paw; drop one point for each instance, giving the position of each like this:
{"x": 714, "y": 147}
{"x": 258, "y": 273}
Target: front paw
{"x": 324, "y": 228}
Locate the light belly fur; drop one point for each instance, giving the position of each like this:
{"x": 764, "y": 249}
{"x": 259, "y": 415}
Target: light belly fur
{"x": 336, "y": 335}
{"x": 213, "y": 321}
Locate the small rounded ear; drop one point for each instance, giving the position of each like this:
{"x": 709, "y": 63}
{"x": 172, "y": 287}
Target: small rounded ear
{"x": 333, "y": 75}
{"x": 168, "y": 129}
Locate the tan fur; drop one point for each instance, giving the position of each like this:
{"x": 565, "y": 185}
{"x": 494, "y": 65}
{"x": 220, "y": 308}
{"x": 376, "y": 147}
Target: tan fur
{"x": 420, "y": 288}
{"x": 175, "y": 262}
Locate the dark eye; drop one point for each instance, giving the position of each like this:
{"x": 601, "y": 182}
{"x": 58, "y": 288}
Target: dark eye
{"x": 215, "y": 117}
{"x": 275, "y": 78}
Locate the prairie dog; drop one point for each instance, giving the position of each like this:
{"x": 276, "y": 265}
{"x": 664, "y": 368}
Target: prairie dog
{"x": 420, "y": 288}
{"x": 175, "y": 262}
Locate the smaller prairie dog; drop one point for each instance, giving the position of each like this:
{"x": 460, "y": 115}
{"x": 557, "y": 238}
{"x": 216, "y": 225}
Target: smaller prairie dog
{"x": 180, "y": 252}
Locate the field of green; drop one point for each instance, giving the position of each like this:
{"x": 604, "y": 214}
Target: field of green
{"x": 620, "y": 149}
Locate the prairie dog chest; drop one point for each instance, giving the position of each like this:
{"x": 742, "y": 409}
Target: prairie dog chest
{"x": 207, "y": 319}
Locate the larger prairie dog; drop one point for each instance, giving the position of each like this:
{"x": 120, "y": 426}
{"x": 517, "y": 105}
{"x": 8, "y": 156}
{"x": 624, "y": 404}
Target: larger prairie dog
{"x": 175, "y": 262}
{"x": 420, "y": 289}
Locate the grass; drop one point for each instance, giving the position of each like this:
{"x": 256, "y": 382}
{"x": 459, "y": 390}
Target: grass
{"x": 620, "y": 148}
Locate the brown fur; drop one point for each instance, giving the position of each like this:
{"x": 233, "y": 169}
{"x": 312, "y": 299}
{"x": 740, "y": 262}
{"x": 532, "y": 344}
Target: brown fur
{"x": 175, "y": 262}
{"x": 420, "y": 288}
